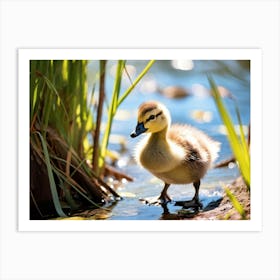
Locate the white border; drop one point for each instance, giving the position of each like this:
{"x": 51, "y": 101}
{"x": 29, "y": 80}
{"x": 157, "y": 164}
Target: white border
{"x": 25, "y": 55}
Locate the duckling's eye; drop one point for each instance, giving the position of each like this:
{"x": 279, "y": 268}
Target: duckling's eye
{"x": 152, "y": 117}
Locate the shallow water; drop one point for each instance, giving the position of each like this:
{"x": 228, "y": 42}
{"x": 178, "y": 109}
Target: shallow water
{"x": 198, "y": 109}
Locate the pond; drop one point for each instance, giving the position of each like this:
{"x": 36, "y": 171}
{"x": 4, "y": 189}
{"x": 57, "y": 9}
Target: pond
{"x": 197, "y": 109}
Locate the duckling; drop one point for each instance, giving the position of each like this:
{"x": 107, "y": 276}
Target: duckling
{"x": 177, "y": 154}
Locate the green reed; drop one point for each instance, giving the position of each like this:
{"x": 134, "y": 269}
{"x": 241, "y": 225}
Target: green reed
{"x": 62, "y": 121}
{"x": 116, "y": 101}
{"x": 238, "y": 143}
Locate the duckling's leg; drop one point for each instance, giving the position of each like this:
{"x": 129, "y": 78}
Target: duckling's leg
{"x": 196, "y": 187}
{"x": 194, "y": 203}
{"x": 162, "y": 200}
{"x": 164, "y": 197}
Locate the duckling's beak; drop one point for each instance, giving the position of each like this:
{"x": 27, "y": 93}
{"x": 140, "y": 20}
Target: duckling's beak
{"x": 140, "y": 128}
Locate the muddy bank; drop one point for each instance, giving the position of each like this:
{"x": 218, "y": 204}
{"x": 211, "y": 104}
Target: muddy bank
{"x": 225, "y": 209}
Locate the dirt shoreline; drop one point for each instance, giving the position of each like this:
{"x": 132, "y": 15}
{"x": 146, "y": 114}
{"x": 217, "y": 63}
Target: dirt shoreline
{"x": 225, "y": 209}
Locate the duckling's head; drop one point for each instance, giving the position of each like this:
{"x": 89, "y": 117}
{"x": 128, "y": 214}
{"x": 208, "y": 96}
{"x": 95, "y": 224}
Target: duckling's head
{"x": 152, "y": 117}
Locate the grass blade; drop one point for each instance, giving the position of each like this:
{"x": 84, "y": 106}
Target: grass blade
{"x": 238, "y": 207}
{"x": 54, "y": 193}
{"x": 112, "y": 111}
{"x": 239, "y": 147}
{"x": 137, "y": 80}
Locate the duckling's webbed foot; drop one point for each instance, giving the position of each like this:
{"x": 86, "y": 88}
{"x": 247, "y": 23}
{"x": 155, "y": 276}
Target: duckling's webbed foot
{"x": 163, "y": 199}
{"x": 194, "y": 203}
{"x": 156, "y": 200}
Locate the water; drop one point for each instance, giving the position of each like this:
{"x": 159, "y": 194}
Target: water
{"x": 232, "y": 75}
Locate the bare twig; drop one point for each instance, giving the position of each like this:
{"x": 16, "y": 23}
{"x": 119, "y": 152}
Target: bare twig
{"x": 95, "y": 155}
{"x": 110, "y": 170}
{"x": 225, "y": 163}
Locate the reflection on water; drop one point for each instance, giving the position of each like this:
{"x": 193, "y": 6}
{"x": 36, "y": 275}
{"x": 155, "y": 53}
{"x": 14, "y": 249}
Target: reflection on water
{"x": 196, "y": 108}
{"x": 146, "y": 186}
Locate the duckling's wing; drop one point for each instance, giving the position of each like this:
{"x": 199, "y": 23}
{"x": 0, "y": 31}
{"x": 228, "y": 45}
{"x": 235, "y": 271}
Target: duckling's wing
{"x": 197, "y": 145}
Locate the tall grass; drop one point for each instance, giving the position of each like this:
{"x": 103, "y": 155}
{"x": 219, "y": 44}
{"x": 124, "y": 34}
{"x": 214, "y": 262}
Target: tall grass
{"x": 58, "y": 92}
{"x": 238, "y": 144}
{"x": 62, "y": 121}
{"x": 116, "y": 101}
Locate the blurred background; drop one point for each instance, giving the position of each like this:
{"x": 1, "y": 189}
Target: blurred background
{"x": 181, "y": 85}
